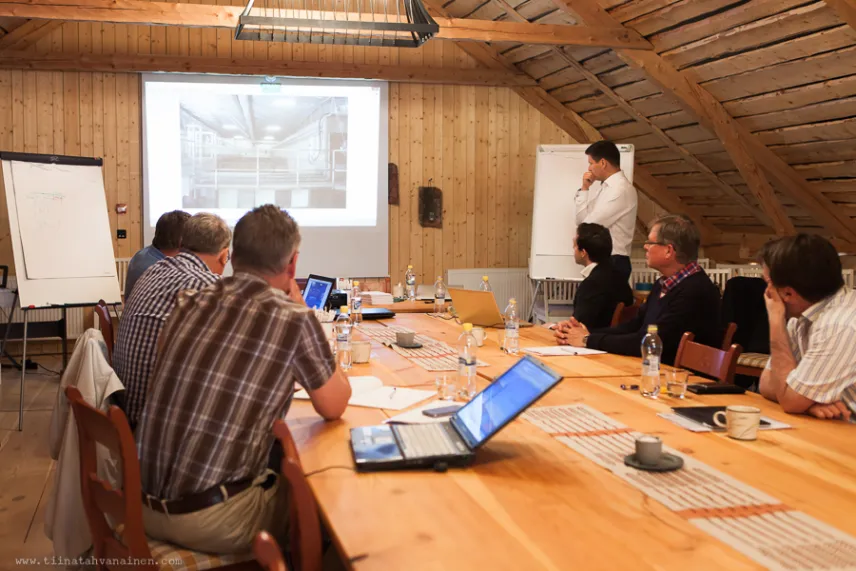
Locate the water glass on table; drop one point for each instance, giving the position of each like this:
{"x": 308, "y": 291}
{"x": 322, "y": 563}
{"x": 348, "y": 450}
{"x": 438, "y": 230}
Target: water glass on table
{"x": 447, "y": 385}
{"x": 676, "y": 382}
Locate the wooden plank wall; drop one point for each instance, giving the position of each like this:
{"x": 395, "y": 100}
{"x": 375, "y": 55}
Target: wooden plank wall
{"x": 477, "y": 144}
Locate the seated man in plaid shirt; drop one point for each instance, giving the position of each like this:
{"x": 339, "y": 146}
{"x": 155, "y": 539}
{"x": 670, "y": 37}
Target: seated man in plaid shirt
{"x": 230, "y": 356}
{"x": 204, "y": 254}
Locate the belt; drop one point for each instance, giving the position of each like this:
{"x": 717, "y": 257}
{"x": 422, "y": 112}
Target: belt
{"x": 206, "y": 499}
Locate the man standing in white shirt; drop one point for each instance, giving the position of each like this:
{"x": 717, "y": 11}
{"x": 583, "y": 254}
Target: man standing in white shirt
{"x": 611, "y": 202}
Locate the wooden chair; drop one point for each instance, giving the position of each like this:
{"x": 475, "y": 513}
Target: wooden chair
{"x": 267, "y": 553}
{"x": 730, "y": 330}
{"x": 105, "y": 323}
{"x": 711, "y": 361}
{"x": 623, "y": 314}
{"x": 124, "y": 507}
{"x": 304, "y": 528}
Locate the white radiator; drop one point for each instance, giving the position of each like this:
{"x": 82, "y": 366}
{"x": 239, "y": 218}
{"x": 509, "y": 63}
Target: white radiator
{"x": 505, "y": 282}
{"x": 75, "y": 325}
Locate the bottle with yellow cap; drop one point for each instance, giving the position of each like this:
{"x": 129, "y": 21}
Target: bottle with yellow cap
{"x": 485, "y": 284}
{"x": 467, "y": 362}
{"x": 356, "y": 305}
{"x": 343, "y": 338}
{"x": 410, "y": 283}
{"x": 512, "y": 328}
{"x": 439, "y": 295}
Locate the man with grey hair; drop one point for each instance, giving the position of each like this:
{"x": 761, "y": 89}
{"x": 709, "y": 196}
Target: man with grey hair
{"x": 683, "y": 299}
{"x": 231, "y": 356}
{"x": 203, "y": 257}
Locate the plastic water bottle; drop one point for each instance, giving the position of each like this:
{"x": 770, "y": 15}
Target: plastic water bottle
{"x": 439, "y": 295}
{"x": 356, "y": 305}
{"x": 467, "y": 359}
{"x": 512, "y": 328}
{"x": 485, "y": 285}
{"x": 652, "y": 350}
{"x": 343, "y": 338}
{"x": 410, "y": 283}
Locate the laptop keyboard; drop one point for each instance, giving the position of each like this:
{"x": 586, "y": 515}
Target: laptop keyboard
{"x": 427, "y": 440}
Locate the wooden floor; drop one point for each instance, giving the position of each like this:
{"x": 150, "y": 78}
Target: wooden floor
{"x": 26, "y": 468}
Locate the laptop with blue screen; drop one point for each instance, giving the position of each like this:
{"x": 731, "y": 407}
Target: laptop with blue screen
{"x": 453, "y": 443}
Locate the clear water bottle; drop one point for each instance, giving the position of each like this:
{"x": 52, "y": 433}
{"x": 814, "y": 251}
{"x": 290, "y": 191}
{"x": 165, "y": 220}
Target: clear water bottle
{"x": 410, "y": 283}
{"x": 356, "y": 305}
{"x": 343, "y": 338}
{"x": 652, "y": 351}
{"x": 467, "y": 359}
{"x": 439, "y": 295}
{"x": 485, "y": 285}
{"x": 512, "y": 328}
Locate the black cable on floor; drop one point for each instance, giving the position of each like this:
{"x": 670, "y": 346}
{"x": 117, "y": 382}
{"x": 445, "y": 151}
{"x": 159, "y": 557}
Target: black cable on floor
{"x": 312, "y": 473}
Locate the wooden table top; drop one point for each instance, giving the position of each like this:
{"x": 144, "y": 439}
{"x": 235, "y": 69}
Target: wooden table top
{"x": 530, "y": 502}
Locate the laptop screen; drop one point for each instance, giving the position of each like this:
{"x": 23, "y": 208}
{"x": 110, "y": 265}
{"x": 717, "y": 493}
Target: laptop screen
{"x": 316, "y": 292}
{"x": 500, "y": 403}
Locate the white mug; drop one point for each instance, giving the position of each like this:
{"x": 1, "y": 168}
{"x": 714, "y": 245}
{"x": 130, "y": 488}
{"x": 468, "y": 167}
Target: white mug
{"x": 649, "y": 450}
{"x": 398, "y": 290}
{"x": 361, "y": 351}
{"x": 741, "y": 422}
{"x": 479, "y": 334}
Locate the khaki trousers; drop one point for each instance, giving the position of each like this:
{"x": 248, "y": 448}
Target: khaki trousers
{"x": 228, "y": 527}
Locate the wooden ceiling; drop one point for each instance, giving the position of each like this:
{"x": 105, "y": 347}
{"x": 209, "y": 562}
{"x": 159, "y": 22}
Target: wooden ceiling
{"x": 743, "y": 112}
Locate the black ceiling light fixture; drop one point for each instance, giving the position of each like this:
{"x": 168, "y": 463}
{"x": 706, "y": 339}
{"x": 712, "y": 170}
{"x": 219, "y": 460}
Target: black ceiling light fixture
{"x": 386, "y": 23}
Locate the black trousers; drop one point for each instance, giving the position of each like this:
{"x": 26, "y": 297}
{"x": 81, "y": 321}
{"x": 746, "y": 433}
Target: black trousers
{"x": 622, "y": 264}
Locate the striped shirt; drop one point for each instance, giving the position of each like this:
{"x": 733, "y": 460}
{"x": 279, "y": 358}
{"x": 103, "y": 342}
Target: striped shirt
{"x": 231, "y": 355}
{"x": 823, "y": 342}
{"x": 143, "y": 317}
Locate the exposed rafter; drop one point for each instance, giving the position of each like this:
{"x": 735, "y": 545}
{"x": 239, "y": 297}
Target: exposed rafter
{"x": 749, "y": 154}
{"x": 726, "y": 188}
{"x": 582, "y": 132}
{"x": 846, "y": 10}
{"x": 60, "y": 61}
{"x": 202, "y": 15}
{"x": 28, "y": 34}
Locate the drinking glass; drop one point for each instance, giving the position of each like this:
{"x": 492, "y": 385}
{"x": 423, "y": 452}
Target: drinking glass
{"x": 446, "y": 386}
{"x": 676, "y": 382}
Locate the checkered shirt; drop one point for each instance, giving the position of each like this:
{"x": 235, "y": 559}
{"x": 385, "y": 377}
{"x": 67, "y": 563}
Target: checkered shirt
{"x": 143, "y": 318}
{"x": 231, "y": 356}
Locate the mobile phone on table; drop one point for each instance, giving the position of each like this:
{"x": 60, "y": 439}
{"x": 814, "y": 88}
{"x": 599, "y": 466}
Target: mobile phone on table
{"x": 442, "y": 411}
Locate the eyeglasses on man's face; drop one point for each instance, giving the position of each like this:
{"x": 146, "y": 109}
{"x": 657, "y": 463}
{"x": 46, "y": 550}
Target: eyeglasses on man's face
{"x": 656, "y": 243}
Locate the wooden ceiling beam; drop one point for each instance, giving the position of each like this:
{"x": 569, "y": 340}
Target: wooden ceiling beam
{"x": 846, "y": 10}
{"x": 593, "y": 79}
{"x": 60, "y": 61}
{"x": 749, "y": 154}
{"x": 28, "y": 34}
{"x": 211, "y": 16}
{"x": 582, "y": 132}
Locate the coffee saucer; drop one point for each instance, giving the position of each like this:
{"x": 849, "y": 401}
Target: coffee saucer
{"x": 414, "y": 346}
{"x": 667, "y": 463}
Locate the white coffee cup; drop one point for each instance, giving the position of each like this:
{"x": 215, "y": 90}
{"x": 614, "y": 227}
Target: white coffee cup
{"x": 361, "y": 351}
{"x": 398, "y": 290}
{"x": 479, "y": 334}
{"x": 649, "y": 450}
{"x": 405, "y": 338}
{"x": 741, "y": 422}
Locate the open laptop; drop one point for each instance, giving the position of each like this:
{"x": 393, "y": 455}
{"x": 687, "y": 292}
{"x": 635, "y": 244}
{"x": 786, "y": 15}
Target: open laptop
{"x": 317, "y": 291}
{"x": 479, "y": 308}
{"x": 453, "y": 443}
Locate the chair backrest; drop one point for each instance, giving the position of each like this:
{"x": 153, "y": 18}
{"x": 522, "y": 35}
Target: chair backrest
{"x": 730, "y": 330}
{"x": 624, "y": 313}
{"x": 708, "y": 360}
{"x": 105, "y": 323}
{"x": 305, "y": 529}
{"x": 125, "y": 506}
{"x": 267, "y": 552}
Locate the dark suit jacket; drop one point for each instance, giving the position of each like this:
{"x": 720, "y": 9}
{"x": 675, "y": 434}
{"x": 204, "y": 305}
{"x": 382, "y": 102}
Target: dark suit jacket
{"x": 693, "y": 305}
{"x": 598, "y": 294}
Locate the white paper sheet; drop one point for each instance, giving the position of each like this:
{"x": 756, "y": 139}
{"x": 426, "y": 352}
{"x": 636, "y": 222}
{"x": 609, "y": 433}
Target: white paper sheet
{"x": 370, "y": 392}
{"x": 415, "y": 416}
{"x": 562, "y": 351}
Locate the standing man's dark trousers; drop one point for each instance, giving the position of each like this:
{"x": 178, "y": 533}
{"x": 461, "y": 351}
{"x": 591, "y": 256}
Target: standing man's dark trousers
{"x": 622, "y": 264}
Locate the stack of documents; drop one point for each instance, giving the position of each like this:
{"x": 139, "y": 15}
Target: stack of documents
{"x": 376, "y": 298}
{"x": 372, "y": 393}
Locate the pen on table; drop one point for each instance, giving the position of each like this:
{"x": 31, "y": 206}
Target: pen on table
{"x": 630, "y": 387}
{"x": 392, "y": 394}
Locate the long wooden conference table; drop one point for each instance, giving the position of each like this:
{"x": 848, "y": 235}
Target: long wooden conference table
{"x": 531, "y": 502}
